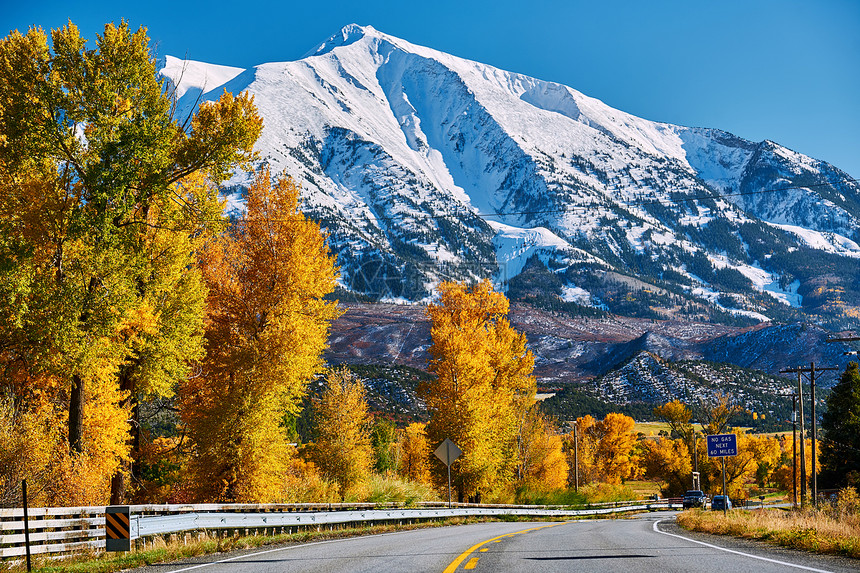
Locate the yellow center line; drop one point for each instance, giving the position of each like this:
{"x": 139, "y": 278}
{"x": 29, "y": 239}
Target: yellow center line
{"x": 456, "y": 563}
{"x": 471, "y": 564}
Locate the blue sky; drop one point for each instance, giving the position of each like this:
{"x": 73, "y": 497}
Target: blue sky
{"x": 784, "y": 70}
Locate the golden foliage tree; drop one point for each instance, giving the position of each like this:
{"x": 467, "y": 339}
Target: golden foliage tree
{"x": 668, "y": 461}
{"x": 678, "y": 416}
{"x": 94, "y": 239}
{"x": 615, "y": 439}
{"x": 414, "y": 459}
{"x": 717, "y": 411}
{"x": 266, "y": 329}
{"x": 605, "y": 449}
{"x": 787, "y": 475}
{"x": 343, "y": 450}
{"x": 483, "y": 384}
{"x": 542, "y": 461}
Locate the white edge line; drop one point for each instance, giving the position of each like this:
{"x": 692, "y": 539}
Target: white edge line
{"x": 238, "y": 557}
{"x": 739, "y": 552}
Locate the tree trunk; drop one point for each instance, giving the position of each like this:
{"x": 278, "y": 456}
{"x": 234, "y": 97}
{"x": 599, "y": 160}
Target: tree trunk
{"x": 119, "y": 482}
{"x": 117, "y": 488}
{"x": 76, "y": 415}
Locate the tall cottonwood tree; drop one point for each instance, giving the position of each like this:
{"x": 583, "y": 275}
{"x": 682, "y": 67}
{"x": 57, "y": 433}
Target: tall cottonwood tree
{"x": 266, "y": 328}
{"x": 100, "y": 218}
{"x": 668, "y": 461}
{"x": 343, "y": 449}
{"x": 482, "y": 388}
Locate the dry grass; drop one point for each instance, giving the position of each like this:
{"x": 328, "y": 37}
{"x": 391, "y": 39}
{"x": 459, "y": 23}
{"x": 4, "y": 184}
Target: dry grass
{"x": 642, "y": 488}
{"x": 830, "y": 530}
{"x": 651, "y": 428}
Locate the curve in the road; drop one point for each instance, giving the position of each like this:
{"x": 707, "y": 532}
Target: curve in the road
{"x": 649, "y": 543}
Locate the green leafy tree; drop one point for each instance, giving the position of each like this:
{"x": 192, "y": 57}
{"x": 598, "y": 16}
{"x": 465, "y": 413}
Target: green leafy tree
{"x": 105, "y": 197}
{"x": 840, "y": 447}
{"x": 382, "y": 438}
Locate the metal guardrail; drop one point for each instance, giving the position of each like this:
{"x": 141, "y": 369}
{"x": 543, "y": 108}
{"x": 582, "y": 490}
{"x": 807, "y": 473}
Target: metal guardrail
{"x": 65, "y": 530}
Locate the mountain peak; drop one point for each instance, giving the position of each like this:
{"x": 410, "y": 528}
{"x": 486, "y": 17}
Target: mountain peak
{"x": 422, "y": 165}
{"x": 345, "y": 36}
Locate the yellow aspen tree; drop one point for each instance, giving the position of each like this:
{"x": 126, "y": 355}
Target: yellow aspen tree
{"x": 784, "y": 475}
{"x": 414, "y": 462}
{"x": 343, "y": 451}
{"x": 605, "y": 449}
{"x": 483, "y": 384}
{"x": 542, "y": 461}
{"x": 718, "y": 410}
{"x": 616, "y": 438}
{"x": 668, "y": 461}
{"x": 266, "y": 328}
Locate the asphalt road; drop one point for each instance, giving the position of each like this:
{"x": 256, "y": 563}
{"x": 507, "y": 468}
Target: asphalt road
{"x": 644, "y": 543}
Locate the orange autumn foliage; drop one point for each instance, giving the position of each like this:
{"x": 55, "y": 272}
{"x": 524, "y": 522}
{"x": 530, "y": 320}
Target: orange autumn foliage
{"x": 483, "y": 385}
{"x": 414, "y": 459}
{"x": 266, "y": 328}
{"x": 605, "y": 449}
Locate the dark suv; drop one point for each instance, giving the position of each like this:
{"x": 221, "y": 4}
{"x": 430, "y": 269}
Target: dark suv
{"x": 694, "y": 498}
{"x": 721, "y": 502}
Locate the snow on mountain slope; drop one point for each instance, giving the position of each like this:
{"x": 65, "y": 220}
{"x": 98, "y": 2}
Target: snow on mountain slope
{"x": 424, "y": 166}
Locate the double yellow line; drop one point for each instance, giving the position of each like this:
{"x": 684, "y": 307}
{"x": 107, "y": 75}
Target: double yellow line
{"x": 480, "y": 548}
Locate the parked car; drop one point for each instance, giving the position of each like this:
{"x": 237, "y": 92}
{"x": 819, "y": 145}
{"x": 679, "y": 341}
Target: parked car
{"x": 721, "y": 503}
{"x": 694, "y": 498}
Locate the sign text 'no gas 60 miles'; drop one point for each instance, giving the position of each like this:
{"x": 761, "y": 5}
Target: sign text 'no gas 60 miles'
{"x": 722, "y": 445}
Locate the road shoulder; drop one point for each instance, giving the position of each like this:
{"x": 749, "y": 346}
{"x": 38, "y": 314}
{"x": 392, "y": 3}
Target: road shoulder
{"x": 760, "y": 548}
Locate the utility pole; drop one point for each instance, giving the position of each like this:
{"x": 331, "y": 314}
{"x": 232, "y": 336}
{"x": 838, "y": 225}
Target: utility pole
{"x": 794, "y": 446}
{"x": 811, "y": 371}
{"x": 802, "y": 443}
{"x": 696, "y": 449}
{"x": 696, "y": 475}
{"x": 814, "y": 432}
{"x": 575, "y": 457}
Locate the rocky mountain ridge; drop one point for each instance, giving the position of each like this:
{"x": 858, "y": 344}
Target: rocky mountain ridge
{"x": 573, "y": 350}
{"x": 423, "y": 167}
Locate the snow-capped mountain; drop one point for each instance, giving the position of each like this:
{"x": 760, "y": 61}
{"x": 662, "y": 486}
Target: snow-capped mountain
{"x": 424, "y": 166}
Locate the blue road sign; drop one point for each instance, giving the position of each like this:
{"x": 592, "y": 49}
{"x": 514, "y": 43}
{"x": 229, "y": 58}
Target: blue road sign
{"x": 722, "y": 445}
